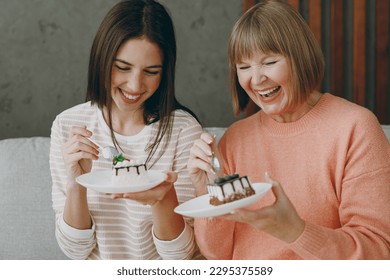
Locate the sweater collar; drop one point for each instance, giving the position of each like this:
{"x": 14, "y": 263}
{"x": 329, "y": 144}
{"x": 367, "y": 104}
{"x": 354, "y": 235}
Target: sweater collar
{"x": 309, "y": 120}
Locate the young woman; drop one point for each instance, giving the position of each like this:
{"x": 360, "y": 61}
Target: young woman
{"x": 131, "y": 105}
{"x": 329, "y": 158}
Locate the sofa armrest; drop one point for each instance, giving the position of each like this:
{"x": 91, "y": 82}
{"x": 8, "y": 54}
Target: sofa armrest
{"x": 26, "y": 214}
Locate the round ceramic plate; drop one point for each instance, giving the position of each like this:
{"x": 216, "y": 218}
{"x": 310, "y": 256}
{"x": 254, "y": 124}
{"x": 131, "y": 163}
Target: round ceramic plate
{"x": 100, "y": 181}
{"x": 200, "y": 207}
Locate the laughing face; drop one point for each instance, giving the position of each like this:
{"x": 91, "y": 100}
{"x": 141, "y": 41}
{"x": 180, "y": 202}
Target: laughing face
{"x": 266, "y": 80}
{"x": 136, "y": 74}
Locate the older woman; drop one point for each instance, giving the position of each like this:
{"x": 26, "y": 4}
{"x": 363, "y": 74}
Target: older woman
{"x": 327, "y": 158}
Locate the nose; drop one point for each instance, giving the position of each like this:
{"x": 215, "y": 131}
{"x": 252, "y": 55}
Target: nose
{"x": 258, "y": 75}
{"x": 134, "y": 81}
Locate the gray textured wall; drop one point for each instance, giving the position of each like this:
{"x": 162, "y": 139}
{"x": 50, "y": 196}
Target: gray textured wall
{"x": 44, "y": 49}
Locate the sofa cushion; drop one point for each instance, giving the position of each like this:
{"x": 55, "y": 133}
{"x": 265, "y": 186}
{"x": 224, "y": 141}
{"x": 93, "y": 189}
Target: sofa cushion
{"x": 26, "y": 214}
{"x": 386, "y": 129}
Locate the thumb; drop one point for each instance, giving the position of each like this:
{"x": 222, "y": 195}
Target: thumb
{"x": 277, "y": 189}
{"x": 268, "y": 178}
{"x": 171, "y": 177}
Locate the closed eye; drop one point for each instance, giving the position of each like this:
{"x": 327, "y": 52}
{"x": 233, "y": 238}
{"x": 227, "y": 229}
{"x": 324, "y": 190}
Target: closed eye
{"x": 122, "y": 68}
{"x": 152, "y": 72}
{"x": 243, "y": 67}
{"x": 271, "y": 62}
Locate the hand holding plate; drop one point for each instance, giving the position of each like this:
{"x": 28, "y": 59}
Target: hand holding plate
{"x": 280, "y": 219}
{"x": 153, "y": 195}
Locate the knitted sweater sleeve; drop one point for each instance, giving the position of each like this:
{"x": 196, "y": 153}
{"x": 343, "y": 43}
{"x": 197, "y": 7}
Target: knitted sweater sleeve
{"x": 364, "y": 210}
{"x": 214, "y": 237}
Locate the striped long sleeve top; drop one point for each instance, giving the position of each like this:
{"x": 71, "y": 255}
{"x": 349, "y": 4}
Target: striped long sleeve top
{"x": 122, "y": 228}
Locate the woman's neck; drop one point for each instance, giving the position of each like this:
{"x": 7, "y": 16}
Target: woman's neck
{"x": 300, "y": 111}
{"x": 125, "y": 123}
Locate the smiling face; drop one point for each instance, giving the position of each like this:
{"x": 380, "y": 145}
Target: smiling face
{"x": 266, "y": 80}
{"x": 273, "y": 30}
{"x": 136, "y": 74}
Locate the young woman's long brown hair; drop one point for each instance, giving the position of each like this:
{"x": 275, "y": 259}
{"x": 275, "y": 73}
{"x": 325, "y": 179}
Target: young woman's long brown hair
{"x": 127, "y": 20}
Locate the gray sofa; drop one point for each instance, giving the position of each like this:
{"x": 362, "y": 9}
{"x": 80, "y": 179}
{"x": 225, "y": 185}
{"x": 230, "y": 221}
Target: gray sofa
{"x": 26, "y": 215}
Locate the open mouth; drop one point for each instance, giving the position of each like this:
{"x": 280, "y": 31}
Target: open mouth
{"x": 269, "y": 92}
{"x": 131, "y": 97}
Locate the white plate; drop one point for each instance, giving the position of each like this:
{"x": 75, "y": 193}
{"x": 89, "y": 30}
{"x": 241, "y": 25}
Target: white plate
{"x": 100, "y": 181}
{"x": 200, "y": 207}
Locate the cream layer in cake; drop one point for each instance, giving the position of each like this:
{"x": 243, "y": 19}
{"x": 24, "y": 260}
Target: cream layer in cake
{"x": 229, "y": 188}
{"x": 128, "y": 172}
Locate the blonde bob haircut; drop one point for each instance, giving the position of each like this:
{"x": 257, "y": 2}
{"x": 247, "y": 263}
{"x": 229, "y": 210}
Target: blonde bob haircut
{"x": 274, "y": 27}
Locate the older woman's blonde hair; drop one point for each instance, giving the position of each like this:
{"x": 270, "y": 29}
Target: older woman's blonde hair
{"x": 275, "y": 27}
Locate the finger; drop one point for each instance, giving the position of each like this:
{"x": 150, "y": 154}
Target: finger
{"x": 277, "y": 189}
{"x": 80, "y": 130}
{"x": 195, "y": 165}
{"x": 93, "y": 144}
{"x": 201, "y": 150}
{"x": 85, "y": 140}
{"x": 145, "y": 196}
{"x": 214, "y": 143}
{"x": 171, "y": 177}
{"x": 129, "y": 196}
{"x": 207, "y": 138}
{"x": 81, "y": 144}
{"x": 116, "y": 195}
{"x": 86, "y": 133}
{"x": 268, "y": 178}
{"x": 238, "y": 216}
{"x": 197, "y": 154}
{"x": 75, "y": 157}
{"x": 79, "y": 135}
{"x": 248, "y": 215}
{"x": 258, "y": 217}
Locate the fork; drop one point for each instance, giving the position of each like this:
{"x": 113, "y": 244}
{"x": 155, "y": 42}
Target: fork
{"x": 215, "y": 163}
{"x": 108, "y": 152}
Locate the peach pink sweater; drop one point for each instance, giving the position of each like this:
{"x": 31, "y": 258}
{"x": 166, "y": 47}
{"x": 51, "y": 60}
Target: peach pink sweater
{"x": 334, "y": 165}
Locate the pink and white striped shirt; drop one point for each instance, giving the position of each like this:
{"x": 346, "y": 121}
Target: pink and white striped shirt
{"x": 122, "y": 228}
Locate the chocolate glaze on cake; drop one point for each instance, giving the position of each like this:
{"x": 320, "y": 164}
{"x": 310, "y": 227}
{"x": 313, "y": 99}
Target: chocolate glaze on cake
{"x": 138, "y": 167}
{"x": 229, "y": 188}
{"x": 125, "y": 171}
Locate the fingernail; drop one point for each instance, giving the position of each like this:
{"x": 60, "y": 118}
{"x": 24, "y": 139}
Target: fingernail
{"x": 210, "y": 139}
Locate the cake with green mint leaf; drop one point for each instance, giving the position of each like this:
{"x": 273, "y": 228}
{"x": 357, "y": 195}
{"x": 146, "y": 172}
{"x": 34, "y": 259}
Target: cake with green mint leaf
{"x": 229, "y": 188}
{"x": 126, "y": 172}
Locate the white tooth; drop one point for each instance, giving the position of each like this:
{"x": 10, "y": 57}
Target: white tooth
{"x": 266, "y": 91}
{"x": 132, "y": 97}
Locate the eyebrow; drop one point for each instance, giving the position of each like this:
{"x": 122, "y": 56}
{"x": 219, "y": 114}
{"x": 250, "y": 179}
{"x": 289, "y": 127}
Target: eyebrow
{"x": 128, "y": 63}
